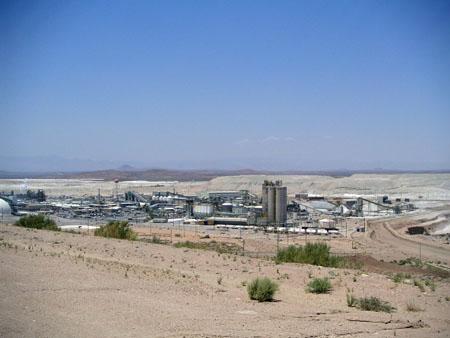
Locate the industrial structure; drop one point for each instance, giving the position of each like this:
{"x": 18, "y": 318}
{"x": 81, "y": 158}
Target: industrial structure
{"x": 5, "y": 208}
{"x": 305, "y": 213}
{"x": 274, "y": 202}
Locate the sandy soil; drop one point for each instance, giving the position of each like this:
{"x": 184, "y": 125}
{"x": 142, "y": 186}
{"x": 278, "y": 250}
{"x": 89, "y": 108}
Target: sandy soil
{"x": 56, "y": 284}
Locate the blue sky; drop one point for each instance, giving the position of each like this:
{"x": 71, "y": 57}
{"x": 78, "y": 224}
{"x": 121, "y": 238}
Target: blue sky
{"x": 228, "y": 84}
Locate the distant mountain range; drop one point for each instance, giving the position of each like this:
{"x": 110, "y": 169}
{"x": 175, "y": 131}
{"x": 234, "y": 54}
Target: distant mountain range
{"x": 19, "y": 167}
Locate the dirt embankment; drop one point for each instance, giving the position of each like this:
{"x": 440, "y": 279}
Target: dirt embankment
{"x": 59, "y": 284}
{"x": 388, "y": 239}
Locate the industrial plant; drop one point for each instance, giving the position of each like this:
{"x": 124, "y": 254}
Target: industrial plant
{"x": 272, "y": 211}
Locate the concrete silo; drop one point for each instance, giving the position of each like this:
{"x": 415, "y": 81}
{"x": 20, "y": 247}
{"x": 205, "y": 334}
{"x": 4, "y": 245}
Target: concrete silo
{"x": 274, "y": 202}
{"x": 265, "y": 207}
{"x": 271, "y": 204}
{"x": 281, "y": 205}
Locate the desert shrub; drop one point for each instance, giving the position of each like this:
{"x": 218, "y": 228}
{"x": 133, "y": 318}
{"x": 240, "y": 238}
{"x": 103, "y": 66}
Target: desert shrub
{"x": 374, "y": 304}
{"x": 400, "y": 277}
{"x": 411, "y": 307}
{"x": 154, "y": 239}
{"x": 311, "y": 253}
{"x": 319, "y": 285}
{"x": 220, "y": 247}
{"x": 262, "y": 289}
{"x": 116, "y": 229}
{"x": 190, "y": 245}
{"x": 419, "y": 284}
{"x": 430, "y": 284}
{"x": 37, "y": 222}
{"x": 369, "y": 304}
{"x": 412, "y": 261}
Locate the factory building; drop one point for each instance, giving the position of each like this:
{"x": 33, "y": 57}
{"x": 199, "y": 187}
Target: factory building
{"x": 274, "y": 202}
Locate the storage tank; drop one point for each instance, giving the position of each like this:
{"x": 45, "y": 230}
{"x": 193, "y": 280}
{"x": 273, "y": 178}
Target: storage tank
{"x": 264, "y": 199}
{"x": 5, "y": 209}
{"x": 281, "y": 205}
{"x": 271, "y": 204}
{"x": 203, "y": 210}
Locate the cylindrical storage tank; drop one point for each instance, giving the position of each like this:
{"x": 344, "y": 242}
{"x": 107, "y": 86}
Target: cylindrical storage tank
{"x": 281, "y": 205}
{"x": 271, "y": 203}
{"x": 264, "y": 200}
{"x": 203, "y": 210}
{"x": 5, "y": 209}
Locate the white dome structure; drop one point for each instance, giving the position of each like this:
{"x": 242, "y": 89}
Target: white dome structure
{"x": 5, "y": 209}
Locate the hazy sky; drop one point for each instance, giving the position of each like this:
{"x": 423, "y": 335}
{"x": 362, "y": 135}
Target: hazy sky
{"x": 228, "y": 84}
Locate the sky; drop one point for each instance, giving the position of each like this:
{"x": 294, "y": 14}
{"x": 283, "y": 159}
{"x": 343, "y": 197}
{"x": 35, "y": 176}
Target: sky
{"x": 274, "y": 85}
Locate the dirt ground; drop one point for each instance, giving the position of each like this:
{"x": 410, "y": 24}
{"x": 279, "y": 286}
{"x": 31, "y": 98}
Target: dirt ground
{"x": 55, "y": 284}
{"x": 386, "y": 239}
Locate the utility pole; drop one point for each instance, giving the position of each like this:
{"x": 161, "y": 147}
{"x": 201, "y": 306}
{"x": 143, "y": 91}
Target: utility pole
{"x": 173, "y": 226}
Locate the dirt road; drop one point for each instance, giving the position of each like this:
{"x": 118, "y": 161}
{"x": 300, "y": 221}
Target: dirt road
{"x": 383, "y": 241}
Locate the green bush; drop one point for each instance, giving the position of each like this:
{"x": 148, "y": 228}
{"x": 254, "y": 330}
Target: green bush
{"x": 412, "y": 261}
{"x": 116, "y": 229}
{"x": 319, "y": 285}
{"x": 400, "y": 277}
{"x": 37, "y": 222}
{"x": 311, "y": 253}
{"x": 374, "y": 304}
{"x": 262, "y": 289}
{"x": 419, "y": 284}
{"x": 369, "y": 304}
{"x": 430, "y": 284}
